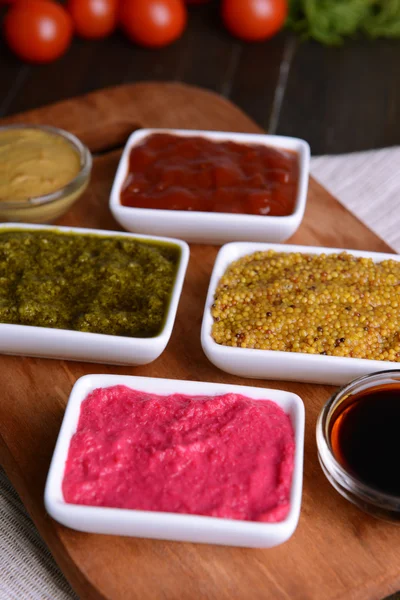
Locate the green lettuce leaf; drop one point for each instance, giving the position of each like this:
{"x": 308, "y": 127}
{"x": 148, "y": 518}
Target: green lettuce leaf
{"x": 330, "y": 21}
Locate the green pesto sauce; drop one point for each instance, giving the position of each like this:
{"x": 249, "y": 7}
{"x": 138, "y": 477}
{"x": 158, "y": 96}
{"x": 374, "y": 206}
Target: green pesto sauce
{"x": 111, "y": 285}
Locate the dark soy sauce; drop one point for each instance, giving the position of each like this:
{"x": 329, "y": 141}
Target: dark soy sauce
{"x": 365, "y": 438}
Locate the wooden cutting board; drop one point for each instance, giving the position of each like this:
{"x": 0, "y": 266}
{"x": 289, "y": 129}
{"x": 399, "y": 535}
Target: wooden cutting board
{"x": 337, "y": 552}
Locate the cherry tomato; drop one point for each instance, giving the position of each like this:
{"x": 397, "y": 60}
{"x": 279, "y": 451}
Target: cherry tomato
{"x": 94, "y": 18}
{"x": 254, "y": 20}
{"x": 153, "y": 23}
{"x": 38, "y": 31}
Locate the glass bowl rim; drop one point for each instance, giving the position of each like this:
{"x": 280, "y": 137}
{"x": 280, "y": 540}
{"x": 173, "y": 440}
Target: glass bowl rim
{"x": 85, "y": 158}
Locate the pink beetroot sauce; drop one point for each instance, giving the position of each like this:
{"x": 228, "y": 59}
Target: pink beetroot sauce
{"x": 222, "y": 456}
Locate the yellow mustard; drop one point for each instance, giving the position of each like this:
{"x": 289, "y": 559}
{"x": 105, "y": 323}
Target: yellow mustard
{"x": 34, "y": 162}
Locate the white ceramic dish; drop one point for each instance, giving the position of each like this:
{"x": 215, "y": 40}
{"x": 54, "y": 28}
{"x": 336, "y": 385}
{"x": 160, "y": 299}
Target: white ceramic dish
{"x": 171, "y": 526}
{"x": 92, "y": 347}
{"x": 270, "y": 364}
{"x": 206, "y": 227}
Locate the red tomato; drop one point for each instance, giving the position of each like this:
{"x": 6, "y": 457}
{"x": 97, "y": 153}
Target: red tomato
{"x": 38, "y": 30}
{"x": 254, "y": 20}
{"x": 94, "y": 18}
{"x": 153, "y": 23}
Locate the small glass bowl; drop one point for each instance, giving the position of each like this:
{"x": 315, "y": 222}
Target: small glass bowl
{"x": 369, "y": 499}
{"x": 48, "y": 208}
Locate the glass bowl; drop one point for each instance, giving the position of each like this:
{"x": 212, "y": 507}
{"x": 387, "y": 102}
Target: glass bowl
{"x": 369, "y": 499}
{"x": 49, "y": 207}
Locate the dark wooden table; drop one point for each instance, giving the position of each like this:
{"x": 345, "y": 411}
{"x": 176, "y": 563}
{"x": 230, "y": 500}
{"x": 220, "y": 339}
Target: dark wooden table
{"x": 339, "y": 99}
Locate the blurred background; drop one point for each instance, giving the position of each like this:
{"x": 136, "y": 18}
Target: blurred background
{"x": 341, "y": 98}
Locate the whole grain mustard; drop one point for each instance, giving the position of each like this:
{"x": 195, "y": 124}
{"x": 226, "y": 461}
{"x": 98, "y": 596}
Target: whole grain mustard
{"x": 337, "y": 304}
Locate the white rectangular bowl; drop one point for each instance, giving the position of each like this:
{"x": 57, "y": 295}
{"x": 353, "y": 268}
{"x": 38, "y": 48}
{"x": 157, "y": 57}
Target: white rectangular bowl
{"x": 271, "y": 364}
{"x": 208, "y": 227}
{"x": 163, "y": 525}
{"x": 65, "y": 344}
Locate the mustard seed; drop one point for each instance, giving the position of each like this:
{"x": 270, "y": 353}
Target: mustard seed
{"x": 268, "y": 295}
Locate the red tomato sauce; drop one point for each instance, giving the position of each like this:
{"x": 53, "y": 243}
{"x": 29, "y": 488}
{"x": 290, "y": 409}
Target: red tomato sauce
{"x": 196, "y": 174}
{"x": 222, "y": 456}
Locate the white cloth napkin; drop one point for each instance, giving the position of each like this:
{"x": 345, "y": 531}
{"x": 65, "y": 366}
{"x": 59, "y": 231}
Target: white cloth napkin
{"x": 368, "y": 184}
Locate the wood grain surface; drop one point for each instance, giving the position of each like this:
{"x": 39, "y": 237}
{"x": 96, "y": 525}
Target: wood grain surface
{"x": 342, "y": 99}
{"x": 337, "y": 552}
